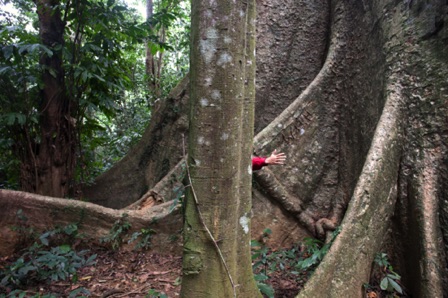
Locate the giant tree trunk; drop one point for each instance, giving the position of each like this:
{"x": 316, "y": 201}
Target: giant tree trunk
{"x": 216, "y": 258}
{"x": 364, "y": 128}
{"x": 49, "y": 165}
{"x": 406, "y": 162}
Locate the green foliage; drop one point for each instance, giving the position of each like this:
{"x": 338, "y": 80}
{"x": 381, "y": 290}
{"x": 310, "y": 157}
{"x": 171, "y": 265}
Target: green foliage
{"x": 24, "y": 294}
{"x": 177, "y": 36}
{"x": 316, "y": 251}
{"x": 25, "y": 232}
{"x": 42, "y": 262}
{"x": 69, "y": 232}
{"x": 116, "y": 235}
{"x": 264, "y": 288}
{"x": 390, "y": 279}
{"x": 104, "y": 72}
{"x": 155, "y": 294}
{"x": 96, "y": 71}
{"x": 19, "y": 82}
{"x": 144, "y": 236}
{"x": 80, "y": 292}
{"x": 296, "y": 262}
{"x": 50, "y": 257}
{"x": 260, "y": 262}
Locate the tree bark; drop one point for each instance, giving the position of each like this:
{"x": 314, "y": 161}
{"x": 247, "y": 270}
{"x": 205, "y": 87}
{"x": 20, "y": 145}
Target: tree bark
{"x": 216, "y": 258}
{"x": 49, "y": 166}
{"x": 93, "y": 221}
{"x": 348, "y": 264}
{"x": 366, "y": 130}
{"x": 151, "y": 62}
{"x": 408, "y": 163}
{"x": 150, "y": 160}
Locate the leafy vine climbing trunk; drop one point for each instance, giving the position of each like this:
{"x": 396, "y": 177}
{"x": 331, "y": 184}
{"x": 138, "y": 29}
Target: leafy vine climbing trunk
{"x": 216, "y": 259}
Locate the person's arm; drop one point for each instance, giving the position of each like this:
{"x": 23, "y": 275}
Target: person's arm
{"x": 274, "y": 159}
{"x": 258, "y": 163}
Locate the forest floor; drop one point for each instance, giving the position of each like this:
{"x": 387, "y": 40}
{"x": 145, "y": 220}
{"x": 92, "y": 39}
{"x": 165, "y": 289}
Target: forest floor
{"x": 117, "y": 274}
{"x": 103, "y": 272}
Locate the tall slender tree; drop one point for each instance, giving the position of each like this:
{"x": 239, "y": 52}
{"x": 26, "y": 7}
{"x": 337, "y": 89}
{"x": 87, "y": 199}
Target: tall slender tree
{"x": 217, "y": 259}
{"x": 54, "y": 159}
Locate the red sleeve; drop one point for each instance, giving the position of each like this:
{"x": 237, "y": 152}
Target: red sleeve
{"x": 258, "y": 162}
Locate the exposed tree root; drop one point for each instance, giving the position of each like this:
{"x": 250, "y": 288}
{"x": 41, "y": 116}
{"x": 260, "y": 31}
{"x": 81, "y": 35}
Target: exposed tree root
{"x": 367, "y": 217}
{"x": 432, "y": 264}
{"x": 93, "y": 221}
{"x": 167, "y": 189}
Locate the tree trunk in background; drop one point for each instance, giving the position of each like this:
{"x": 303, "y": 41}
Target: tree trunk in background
{"x": 150, "y": 61}
{"x": 292, "y": 43}
{"x": 218, "y": 200}
{"x": 50, "y": 164}
{"x": 151, "y": 159}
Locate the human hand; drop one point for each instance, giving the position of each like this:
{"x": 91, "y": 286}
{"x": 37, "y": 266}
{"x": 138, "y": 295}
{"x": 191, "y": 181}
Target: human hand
{"x": 276, "y": 158}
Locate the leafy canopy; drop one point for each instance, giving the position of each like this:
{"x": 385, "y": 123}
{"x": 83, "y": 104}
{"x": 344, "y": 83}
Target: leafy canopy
{"x": 103, "y": 60}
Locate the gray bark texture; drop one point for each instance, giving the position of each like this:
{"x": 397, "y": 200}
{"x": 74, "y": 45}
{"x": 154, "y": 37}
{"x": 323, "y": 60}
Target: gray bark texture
{"x": 93, "y": 221}
{"x": 216, "y": 254}
{"x": 397, "y": 203}
{"x": 356, "y": 94}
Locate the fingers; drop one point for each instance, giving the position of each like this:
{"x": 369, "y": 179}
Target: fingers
{"x": 278, "y": 158}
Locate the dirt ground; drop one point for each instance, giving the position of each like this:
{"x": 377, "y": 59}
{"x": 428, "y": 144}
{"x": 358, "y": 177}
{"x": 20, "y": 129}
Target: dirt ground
{"x": 146, "y": 274}
{"x": 117, "y": 274}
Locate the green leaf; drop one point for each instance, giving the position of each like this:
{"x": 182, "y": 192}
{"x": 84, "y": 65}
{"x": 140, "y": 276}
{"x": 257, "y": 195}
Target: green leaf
{"x": 70, "y": 229}
{"x": 10, "y": 119}
{"x": 43, "y": 239}
{"x": 4, "y": 69}
{"x": 267, "y": 231}
{"x": 394, "y": 276}
{"x": 52, "y": 72}
{"x": 21, "y": 119}
{"x": 255, "y": 243}
{"x": 24, "y": 270}
{"x": 260, "y": 277}
{"x": 46, "y": 50}
{"x": 266, "y": 290}
{"x": 154, "y": 48}
{"x": 65, "y": 248}
{"x": 99, "y": 78}
{"x": 396, "y": 286}
{"x": 384, "y": 284}
{"x": 23, "y": 48}
{"x": 33, "y": 47}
